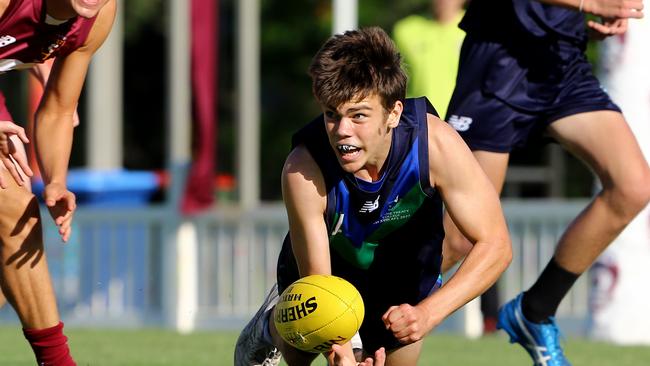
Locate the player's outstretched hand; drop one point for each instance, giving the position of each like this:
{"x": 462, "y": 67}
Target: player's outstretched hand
{"x": 338, "y": 358}
{"x": 611, "y": 9}
{"x": 11, "y": 158}
{"x": 408, "y": 323}
{"x": 607, "y": 28}
{"x": 61, "y": 203}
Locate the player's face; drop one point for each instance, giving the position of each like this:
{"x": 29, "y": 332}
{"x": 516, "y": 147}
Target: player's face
{"x": 360, "y": 132}
{"x": 87, "y": 8}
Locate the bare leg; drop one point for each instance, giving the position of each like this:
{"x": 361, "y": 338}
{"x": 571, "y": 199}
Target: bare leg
{"x": 605, "y": 143}
{"x": 24, "y": 276}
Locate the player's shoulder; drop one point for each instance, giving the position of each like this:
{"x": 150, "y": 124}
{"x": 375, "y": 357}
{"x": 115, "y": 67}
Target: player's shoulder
{"x": 300, "y": 160}
{"x": 106, "y": 16}
{"x": 300, "y": 155}
{"x": 301, "y": 174}
{"x": 437, "y": 126}
{"x": 102, "y": 26}
{"x": 442, "y": 136}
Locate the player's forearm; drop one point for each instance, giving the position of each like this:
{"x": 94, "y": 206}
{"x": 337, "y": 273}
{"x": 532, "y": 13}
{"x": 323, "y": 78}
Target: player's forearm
{"x": 480, "y": 270}
{"x": 53, "y": 143}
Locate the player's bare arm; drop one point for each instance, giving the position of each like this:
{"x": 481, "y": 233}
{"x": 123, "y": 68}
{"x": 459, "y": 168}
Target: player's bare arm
{"x": 614, "y": 13}
{"x": 42, "y": 72}
{"x": 305, "y": 199}
{"x": 54, "y": 120}
{"x": 474, "y": 205}
{"x": 303, "y": 191}
{"x": 603, "y": 8}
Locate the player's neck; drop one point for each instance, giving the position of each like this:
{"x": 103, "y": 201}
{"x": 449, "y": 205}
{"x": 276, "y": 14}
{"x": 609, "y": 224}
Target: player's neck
{"x": 59, "y": 9}
{"x": 374, "y": 167}
{"x": 3, "y": 6}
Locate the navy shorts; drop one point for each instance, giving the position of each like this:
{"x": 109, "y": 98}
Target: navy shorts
{"x": 508, "y": 93}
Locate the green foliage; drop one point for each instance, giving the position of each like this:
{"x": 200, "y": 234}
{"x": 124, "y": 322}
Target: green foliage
{"x": 143, "y": 13}
{"x": 291, "y": 35}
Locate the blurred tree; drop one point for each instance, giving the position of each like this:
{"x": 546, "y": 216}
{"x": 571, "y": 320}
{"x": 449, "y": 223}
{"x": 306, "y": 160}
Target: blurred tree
{"x": 290, "y": 36}
{"x": 145, "y": 65}
{"x": 144, "y": 16}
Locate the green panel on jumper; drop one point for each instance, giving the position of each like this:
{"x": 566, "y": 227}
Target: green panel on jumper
{"x": 396, "y": 216}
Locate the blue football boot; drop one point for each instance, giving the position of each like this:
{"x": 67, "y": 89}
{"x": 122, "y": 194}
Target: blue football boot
{"x": 541, "y": 340}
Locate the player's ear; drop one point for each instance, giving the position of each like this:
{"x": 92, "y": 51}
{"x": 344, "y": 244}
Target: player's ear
{"x": 395, "y": 114}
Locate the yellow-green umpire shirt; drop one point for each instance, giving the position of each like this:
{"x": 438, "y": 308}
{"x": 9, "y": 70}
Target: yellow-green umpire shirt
{"x": 430, "y": 51}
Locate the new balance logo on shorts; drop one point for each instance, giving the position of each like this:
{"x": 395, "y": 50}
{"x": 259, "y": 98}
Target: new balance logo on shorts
{"x": 6, "y": 40}
{"x": 460, "y": 123}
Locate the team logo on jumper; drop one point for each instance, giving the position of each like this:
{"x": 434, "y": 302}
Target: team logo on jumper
{"x": 6, "y": 40}
{"x": 460, "y": 123}
{"x": 50, "y": 50}
{"x": 370, "y": 206}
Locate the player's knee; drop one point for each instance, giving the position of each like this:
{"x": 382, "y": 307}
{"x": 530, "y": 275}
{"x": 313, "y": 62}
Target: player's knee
{"x": 20, "y": 220}
{"x": 632, "y": 195}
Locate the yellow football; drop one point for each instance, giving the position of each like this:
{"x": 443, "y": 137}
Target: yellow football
{"x": 318, "y": 311}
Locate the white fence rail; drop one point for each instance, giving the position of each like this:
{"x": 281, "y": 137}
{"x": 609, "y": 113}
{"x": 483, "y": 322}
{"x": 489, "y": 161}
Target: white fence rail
{"x": 112, "y": 272}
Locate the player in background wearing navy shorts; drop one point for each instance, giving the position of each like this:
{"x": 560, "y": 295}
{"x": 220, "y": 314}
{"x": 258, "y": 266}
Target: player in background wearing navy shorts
{"x": 31, "y": 32}
{"x": 364, "y": 186}
{"x": 523, "y": 76}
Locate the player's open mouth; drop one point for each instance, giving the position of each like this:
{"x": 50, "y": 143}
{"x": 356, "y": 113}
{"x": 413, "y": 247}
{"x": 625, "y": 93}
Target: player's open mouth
{"x": 348, "y": 152}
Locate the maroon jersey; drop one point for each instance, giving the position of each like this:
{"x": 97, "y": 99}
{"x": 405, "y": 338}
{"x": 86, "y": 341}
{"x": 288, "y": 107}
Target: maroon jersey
{"x": 29, "y": 36}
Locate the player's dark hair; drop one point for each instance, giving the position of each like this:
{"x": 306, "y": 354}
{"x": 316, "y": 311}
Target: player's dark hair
{"x": 356, "y": 64}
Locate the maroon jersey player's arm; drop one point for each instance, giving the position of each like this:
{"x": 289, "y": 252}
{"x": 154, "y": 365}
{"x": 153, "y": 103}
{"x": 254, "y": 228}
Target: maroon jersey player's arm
{"x": 53, "y": 132}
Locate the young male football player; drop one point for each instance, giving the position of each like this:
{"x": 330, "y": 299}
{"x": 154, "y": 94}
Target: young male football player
{"x": 33, "y": 31}
{"x": 364, "y": 187}
{"x": 524, "y": 76}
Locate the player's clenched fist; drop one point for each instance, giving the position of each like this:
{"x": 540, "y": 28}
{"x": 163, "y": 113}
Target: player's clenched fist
{"x": 408, "y": 323}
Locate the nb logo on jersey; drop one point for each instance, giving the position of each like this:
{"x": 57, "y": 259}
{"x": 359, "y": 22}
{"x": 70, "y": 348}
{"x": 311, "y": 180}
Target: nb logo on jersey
{"x": 370, "y": 206}
{"x": 6, "y": 40}
{"x": 460, "y": 123}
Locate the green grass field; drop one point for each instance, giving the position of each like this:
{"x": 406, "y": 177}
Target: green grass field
{"x": 95, "y": 347}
